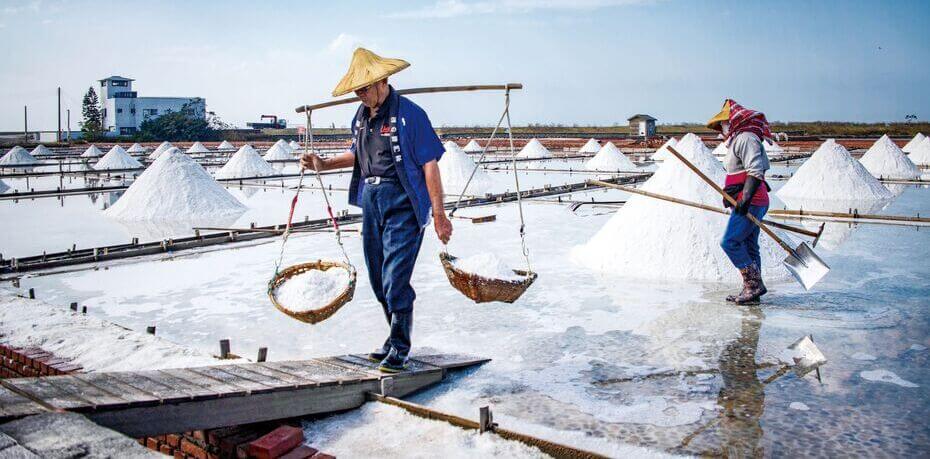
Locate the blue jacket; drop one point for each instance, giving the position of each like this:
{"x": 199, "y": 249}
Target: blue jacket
{"x": 414, "y": 143}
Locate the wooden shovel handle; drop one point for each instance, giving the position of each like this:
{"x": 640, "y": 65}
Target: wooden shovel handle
{"x": 730, "y": 199}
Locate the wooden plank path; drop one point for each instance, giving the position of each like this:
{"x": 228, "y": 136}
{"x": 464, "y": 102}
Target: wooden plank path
{"x": 156, "y": 402}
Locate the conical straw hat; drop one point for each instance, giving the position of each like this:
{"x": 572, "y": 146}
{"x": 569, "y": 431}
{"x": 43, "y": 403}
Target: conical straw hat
{"x": 367, "y": 68}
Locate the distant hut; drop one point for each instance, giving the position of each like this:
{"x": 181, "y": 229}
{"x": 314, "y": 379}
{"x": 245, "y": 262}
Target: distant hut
{"x": 642, "y": 126}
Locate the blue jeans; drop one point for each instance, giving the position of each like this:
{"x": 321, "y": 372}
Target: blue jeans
{"x": 741, "y": 238}
{"x": 391, "y": 238}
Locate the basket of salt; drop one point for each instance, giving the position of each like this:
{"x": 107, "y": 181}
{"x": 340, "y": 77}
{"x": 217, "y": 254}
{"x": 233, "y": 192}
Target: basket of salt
{"x": 483, "y": 278}
{"x": 312, "y": 292}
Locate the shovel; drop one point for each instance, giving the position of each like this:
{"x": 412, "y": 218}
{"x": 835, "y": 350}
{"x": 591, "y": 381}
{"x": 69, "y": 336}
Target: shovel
{"x": 806, "y": 267}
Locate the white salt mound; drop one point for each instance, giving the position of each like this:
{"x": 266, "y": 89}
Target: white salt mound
{"x": 312, "y": 289}
{"x": 117, "y": 158}
{"x": 592, "y": 146}
{"x": 652, "y": 239}
{"x": 284, "y": 145}
{"x": 662, "y": 153}
{"x": 772, "y": 148}
{"x": 455, "y": 167}
{"x": 913, "y": 143}
{"x": 473, "y": 147}
{"x": 920, "y": 155}
{"x": 885, "y": 160}
{"x": 198, "y": 147}
{"x": 245, "y": 163}
{"x": 833, "y": 174}
{"x": 295, "y": 146}
{"x": 534, "y": 149}
{"x": 41, "y": 150}
{"x": 174, "y": 188}
{"x": 610, "y": 158}
{"x": 225, "y": 145}
{"x": 136, "y": 148}
{"x": 886, "y": 376}
{"x": 17, "y": 156}
{"x": 720, "y": 150}
{"x": 487, "y": 265}
{"x": 162, "y": 147}
{"x": 92, "y": 152}
{"x": 277, "y": 153}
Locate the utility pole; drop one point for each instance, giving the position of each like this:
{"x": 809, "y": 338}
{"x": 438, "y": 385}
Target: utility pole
{"x": 25, "y": 121}
{"x": 69, "y": 126}
{"x": 59, "y": 113}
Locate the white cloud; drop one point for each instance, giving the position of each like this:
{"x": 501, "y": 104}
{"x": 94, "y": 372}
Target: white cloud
{"x": 455, "y": 8}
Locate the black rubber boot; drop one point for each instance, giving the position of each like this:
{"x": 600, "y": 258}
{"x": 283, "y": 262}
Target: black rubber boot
{"x": 401, "y": 327}
{"x": 753, "y": 288}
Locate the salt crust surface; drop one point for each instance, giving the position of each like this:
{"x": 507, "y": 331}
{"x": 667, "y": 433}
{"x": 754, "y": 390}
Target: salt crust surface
{"x": 487, "y": 265}
{"x": 95, "y": 344}
{"x": 245, "y": 163}
{"x": 92, "y": 152}
{"x": 920, "y": 155}
{"x": 136, "y": 148}
{"x": 798, "y": 406}
{"x": 832, "y": 173}
{"x": 772, "y": 148}
{"x": 117, "y": 158}
{"x": 884, "y": 159}
{"x": 174, "y": 187}
{"x": 278, "y": 152}
{"x": 662, "y": 153}
{"x": 863, "y": 356}
{"x": 649, "y": 238}
{"x": 312, "y": 289}
{"x": 17, "y": 156}
{"x": 225, "y": 145}
{"x": 610, "y": 158}
{"x": 198, "y": 147}
{"x": 41, "y": 150}
{"x": 455, "y": 167}
{"x": 911, "y": 144}
{"x": 886, "y": 376}
{"x": 162, "y": 147}
{"x": 591, "y": 146}
{"x": 473, "y": 147}
{"x": 534, "y": 149}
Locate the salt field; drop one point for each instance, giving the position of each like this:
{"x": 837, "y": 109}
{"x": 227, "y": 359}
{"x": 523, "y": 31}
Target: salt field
{"x": 615, "y": 361}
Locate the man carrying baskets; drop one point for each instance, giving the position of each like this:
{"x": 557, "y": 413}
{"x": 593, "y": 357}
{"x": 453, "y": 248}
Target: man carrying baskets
{"x": 395, "y": 180}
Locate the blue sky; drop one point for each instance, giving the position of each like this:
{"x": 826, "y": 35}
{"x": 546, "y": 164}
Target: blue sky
{"x": 581, "y": 61}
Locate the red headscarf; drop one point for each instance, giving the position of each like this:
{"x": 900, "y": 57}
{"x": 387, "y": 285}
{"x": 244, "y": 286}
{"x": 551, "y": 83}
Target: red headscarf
{"x": 743, "y": 119}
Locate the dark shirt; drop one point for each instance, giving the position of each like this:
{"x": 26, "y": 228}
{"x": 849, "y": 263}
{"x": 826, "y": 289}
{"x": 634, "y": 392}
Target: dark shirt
{"x": 374, "y": 150}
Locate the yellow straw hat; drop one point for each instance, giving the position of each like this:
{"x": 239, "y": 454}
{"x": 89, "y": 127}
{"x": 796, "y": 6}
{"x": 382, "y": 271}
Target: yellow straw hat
{"x": 367, "y": 68}
{"x": 724, "y": 115}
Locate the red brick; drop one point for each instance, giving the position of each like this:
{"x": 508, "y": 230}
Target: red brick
{"x": 166, "y": 450}
{"x": 173, "y": 440}
{"x": 276, "y": 442}
{"x": 34, "y": 358}
{"x": 322, "y": 455}
{"x": 192, "y": 449}
{"x": 151, "y": 443}
{"x": 228, "y": 445}
{"x": 300, "y": 452}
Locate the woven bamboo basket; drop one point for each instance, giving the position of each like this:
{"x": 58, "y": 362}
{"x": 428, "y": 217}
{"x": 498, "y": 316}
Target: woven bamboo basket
{"x": 482, "y": 289}
{"x": 314, "y": 315}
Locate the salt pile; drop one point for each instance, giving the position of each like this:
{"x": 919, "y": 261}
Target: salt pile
{"x": 92, "y": 152}
{"x": 920, "y": 155}
{"x": 295, "y": 146}
{"x": 284, "y": 146}
{"x": 534, "y": 149}
{"x": 455, "y": 167}
{"x": 278, "y": 153}
{"x": 609, "y": 158}
{"x": 17, "y": 156}
{"x": 198, "y": 147}
{"x": 662, "y": 153}
{"x": 225, "y": 145}
{"x": 487, "y": 265}
{"x": 473, "y": 147}
{"x": 41, "y": 150}
{"x": 245, "y": 163}
{"x": 649, "y": 238}
{"x": 163, "y": 147}
{"x": 136, "y": 148}
{"x": 174, "y": 187}
{"x": 117, "y": 158}
{"x": 592, "y": 146}
{"x": 772, "y": 148}
{"x": 312, "y": 289}
{"x": 833, "y": 174}
{"x": 3, "y": 187}
{"x": 913, "y": 143}
{"x": 885, "y": 160}
{"x": 720, "y": 150}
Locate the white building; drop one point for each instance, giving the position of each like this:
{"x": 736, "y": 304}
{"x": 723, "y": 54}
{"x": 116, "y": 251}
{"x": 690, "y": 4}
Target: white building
{"x": 124, "y": 111}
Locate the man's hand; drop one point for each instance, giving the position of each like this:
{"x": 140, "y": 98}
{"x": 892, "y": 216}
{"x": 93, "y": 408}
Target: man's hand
{"x": 742, "y": 206}
{"x": 312, "y": 161}
{"x": 443, "y": 227}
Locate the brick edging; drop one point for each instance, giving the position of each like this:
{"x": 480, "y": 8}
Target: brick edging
{"x": 20, "y": 362}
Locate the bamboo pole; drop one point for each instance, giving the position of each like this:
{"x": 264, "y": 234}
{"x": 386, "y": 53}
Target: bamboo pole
{"x": 853, "y": 216}
{"x": 429, "y": 90}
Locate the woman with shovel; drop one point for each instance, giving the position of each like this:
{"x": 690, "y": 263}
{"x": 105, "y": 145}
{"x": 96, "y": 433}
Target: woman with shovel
{"x": 746, "y": 162}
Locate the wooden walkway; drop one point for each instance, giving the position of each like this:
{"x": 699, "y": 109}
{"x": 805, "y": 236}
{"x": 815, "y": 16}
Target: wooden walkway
{"x": 157, "y": 402}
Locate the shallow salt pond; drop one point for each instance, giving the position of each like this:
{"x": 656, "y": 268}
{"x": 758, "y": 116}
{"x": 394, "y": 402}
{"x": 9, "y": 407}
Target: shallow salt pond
{"x": 604, "y": 363}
